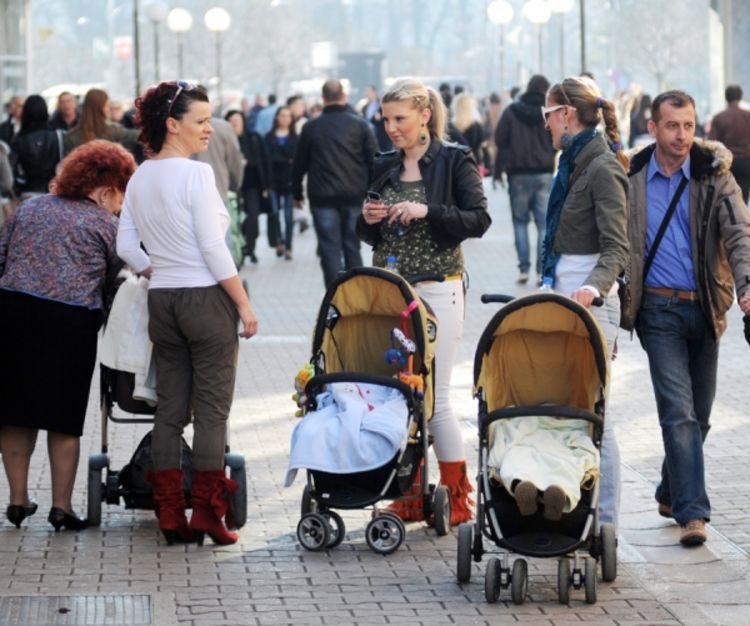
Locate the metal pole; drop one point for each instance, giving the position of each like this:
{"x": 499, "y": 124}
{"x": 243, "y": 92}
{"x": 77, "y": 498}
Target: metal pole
{"x": 136, "y": 50}
{"x": 502, "y": 56}
{"x": 179, "y": 56}
{"x": 218, "y": 67}
{"x": 539, "y": 33}
{"x": 583, "y": 35}
{"x": 156, "y": 52}
{"x": 562, "y": 46}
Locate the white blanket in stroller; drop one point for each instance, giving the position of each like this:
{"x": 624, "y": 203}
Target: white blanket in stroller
{"x": 546, "y": 451}
{"x": 356, "y": 428}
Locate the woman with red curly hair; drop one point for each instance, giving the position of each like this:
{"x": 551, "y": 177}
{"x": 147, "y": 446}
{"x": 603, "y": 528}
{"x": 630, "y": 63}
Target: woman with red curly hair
{"x": 56, "y": 253}
{"x": 195, "y": 302}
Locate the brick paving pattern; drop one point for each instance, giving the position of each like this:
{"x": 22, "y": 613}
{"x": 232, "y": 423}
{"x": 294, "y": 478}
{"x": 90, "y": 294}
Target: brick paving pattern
{"x": 268, "y": 579}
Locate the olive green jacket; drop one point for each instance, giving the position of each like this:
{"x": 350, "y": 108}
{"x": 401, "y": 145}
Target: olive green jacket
{"x": 128, "y": 137}
{"x": 594, "y": 217}
{"x": 719, "y": 232}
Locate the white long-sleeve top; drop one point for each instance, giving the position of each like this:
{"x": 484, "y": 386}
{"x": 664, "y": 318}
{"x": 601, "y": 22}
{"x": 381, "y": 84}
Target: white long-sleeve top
{"x": 173, "y": 207}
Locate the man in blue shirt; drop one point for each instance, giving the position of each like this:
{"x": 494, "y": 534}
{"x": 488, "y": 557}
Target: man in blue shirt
{"x": 681, "y": 286}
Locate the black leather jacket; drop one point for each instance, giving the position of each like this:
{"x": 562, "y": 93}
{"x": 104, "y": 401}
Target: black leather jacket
{"x": 456, "y": 204}
{"x": 336, "y": 151}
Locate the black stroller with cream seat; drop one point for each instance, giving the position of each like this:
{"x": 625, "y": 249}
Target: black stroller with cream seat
{"x": 355, "y": 326}
{"x": 540, "y": 355}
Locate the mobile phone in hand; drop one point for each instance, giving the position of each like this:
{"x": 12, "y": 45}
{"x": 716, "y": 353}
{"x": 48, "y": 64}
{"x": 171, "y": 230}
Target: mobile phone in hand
{"x": 373, "y": 196}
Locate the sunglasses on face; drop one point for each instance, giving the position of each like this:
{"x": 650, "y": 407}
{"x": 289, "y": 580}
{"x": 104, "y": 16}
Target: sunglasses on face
{"x": 182, "y": 85}
{"x": 547, "y": 111}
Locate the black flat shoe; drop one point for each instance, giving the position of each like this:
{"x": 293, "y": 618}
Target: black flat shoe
{"x": 59, "y": 518}
{"x": 16, "y": 513}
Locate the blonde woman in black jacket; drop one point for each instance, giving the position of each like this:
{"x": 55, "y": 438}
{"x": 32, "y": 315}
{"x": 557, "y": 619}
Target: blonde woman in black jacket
{"x": 432, "y": 199}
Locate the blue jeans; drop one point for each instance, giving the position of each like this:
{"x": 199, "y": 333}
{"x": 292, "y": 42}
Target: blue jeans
{"x": 608, "y": 316}
{"x": 338, "y": 243}
{"x": 281, "y": 201}
{"x": 528, "y": 197}
{"x": 683, "y": 357}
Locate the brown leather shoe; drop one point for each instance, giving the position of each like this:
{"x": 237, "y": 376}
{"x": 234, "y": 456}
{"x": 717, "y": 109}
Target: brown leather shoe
{"x": 693, "y": 533}
{"x": 554, "y": 503}
{"x": 526, "y": 497}
{"x": 665, "y": 510}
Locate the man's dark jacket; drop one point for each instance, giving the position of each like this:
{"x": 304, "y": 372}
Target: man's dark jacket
{"x": 524, "y": 145}
{"x": 336, "y": 150}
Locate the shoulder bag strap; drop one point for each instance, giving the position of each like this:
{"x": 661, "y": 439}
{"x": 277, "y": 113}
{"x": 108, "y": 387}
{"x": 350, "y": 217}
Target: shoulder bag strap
{"x": 663, "y": 227}
{"x": 59, "y": 144}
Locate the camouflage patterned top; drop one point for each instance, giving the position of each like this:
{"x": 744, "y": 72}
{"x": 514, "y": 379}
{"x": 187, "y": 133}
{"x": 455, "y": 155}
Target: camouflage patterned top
{"x": 413, "y": 246}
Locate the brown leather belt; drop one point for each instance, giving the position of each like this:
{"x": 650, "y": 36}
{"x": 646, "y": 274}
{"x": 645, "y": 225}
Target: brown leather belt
{"x": 667, "y": 292}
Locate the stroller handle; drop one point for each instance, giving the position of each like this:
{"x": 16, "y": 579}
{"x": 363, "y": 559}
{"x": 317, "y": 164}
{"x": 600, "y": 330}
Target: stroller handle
{"x": 504, "y": 298}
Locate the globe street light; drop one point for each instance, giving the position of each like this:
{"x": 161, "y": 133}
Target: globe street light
{"x": 561, "y": 7}
{"x": 218, "y": 20}
{"x": 538, "y": 12}
{"x": 179, "y": 21}
{"x": 500, "y": 12}
{"x": 156, "y": 11}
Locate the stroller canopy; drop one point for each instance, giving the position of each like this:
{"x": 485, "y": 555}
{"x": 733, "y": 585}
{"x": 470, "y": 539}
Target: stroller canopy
{"x": 356, "y": 318}
{"x": 541, "y": 349}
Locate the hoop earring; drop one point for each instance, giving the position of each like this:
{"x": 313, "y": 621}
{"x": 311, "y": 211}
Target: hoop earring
{"x": 422, "y": 137}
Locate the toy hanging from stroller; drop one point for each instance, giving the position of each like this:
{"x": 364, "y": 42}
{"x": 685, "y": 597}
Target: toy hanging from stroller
{"x": 364, "y": 311}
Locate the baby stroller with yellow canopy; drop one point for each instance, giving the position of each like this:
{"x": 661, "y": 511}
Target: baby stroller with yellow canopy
{"x": 540, "y": 355}
{"x": 354, "y": 328}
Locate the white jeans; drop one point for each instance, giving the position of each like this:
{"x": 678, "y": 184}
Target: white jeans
{"x": 447, "y": 301}
{"x": 608, "y": 316}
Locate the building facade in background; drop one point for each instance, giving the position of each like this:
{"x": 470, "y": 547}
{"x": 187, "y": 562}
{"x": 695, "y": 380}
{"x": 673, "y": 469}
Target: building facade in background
{"x": 14, "y": 59}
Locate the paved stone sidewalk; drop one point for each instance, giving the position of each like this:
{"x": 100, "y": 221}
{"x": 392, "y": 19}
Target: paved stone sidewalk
{"x": 123, "y": 573}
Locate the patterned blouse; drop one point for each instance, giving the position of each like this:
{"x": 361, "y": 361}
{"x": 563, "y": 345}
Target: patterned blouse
{"x": 60, "y": 249}
{"x": 412, "y": 245}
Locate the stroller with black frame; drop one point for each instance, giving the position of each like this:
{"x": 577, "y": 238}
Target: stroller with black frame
{"x": 540, "y": 355}
{"x": 130, "y": 483}
{"x": 355, "y": 323}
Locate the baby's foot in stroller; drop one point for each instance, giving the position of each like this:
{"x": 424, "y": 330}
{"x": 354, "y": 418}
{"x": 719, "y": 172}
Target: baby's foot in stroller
{"x": 554, "y": 503}
{"x": 526, "y": 495}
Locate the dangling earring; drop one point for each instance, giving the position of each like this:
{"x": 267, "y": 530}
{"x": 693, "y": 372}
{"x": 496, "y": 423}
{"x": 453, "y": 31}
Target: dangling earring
{"x": 565, "y": 139}
{"x": 422, "y": 137}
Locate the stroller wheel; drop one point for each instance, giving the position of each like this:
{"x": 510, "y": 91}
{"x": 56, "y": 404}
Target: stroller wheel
{"x": 519, "y": 581}
{"x": 492, "y": 580}
{"x": 336, "y": 527}
{"x": 441, "y": 507}
{"x": 308, "y": 504}
{"x": 608, "y": 552}
{"x": 385, "y": 533}
{"x": 97, "y": 462}
{"x": 238, "y": 500}
{"x": 313, "y": 532}
{"x": 563, "y": 580}
{"x": 463, "y": 567}
{"x": 589, "y": 580}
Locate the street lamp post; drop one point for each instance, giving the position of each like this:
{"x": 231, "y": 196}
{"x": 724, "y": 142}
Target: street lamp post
{"x": 538, "y": 12}
{"x": 157, "y": 13}
{"x": 218, "y": 21}
{"x": 179, "y": 22}
{"x": 561, "y": 7}
{"x": 500, "y": 12}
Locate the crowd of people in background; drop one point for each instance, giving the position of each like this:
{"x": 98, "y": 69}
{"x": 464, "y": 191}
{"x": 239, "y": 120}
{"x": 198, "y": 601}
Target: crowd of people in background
{"x": 403, "y": 174}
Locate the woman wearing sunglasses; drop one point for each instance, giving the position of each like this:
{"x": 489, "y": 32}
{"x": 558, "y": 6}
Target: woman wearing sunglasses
{"x": 195, "y": 301}
{"x": 586, "y": 244}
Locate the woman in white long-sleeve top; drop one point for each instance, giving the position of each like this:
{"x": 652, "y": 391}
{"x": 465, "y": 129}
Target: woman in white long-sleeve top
{"x": 195, "y": 302}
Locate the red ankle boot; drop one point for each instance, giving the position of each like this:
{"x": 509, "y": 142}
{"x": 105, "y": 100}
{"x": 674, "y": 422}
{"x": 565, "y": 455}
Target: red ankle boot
{"x": 169, "y": 505}
{"x": 409, "y": 506}
{"x": 210, "y": 499}
{"x": 453, "y": 475}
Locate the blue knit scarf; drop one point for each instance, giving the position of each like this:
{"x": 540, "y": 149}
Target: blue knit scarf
{"x": 557, "y": 199}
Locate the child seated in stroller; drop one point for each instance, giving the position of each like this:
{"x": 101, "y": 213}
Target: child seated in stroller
{"x": 542, "y": 458}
